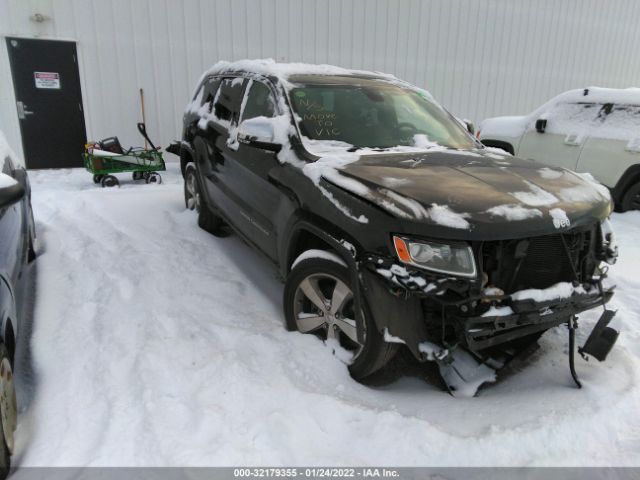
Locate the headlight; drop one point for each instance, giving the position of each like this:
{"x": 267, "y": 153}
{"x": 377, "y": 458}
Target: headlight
{"x": 454, "y": 259}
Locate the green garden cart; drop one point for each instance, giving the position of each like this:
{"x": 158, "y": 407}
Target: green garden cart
{"x": 106, "y": 157}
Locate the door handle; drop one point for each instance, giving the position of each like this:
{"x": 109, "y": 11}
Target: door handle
{"x": 573, "y": 139}
{"x": 22, "y": 110}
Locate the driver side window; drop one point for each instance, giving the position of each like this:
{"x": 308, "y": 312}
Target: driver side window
{"x": 259, "y": 102}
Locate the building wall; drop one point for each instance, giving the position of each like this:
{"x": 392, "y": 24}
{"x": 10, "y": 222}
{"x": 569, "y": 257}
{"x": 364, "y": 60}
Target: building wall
{"x": 479, "y": 58}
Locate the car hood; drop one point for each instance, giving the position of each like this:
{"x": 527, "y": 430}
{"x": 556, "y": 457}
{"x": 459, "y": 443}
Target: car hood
{"x": 475, "y": 194}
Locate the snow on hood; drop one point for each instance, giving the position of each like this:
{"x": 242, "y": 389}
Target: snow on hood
{"x": 461, "y": 191}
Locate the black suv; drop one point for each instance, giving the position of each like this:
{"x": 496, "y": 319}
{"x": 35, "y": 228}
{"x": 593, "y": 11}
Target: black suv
{"x": 390, "y": 223}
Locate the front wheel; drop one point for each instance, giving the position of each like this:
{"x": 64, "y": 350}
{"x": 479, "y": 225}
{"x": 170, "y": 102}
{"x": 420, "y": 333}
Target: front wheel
{"x": 319, "y": 299}
{"x": 8, "y": 411}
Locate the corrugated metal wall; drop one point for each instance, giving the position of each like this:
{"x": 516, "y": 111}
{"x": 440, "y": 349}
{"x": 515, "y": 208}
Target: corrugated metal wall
{"x": 479, "y": 58}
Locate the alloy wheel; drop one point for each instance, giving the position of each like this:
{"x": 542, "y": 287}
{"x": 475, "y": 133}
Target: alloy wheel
{"x": 8, "y": 404}
{"x": 324, "y": 304}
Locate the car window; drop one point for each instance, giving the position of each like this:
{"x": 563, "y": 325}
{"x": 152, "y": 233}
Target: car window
{"x": 566, "y": 118}
{"x": 374, "y": 114}
{"x": 208, "y": 93}
{"x": 226, "y": 104}
{"x": 621, "y": 122}
{"x": 258, "y": 102}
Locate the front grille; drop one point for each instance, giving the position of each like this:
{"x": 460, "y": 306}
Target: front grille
{"x": 539, "y": 262}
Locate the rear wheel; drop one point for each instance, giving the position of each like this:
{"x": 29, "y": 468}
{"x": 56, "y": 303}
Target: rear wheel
{"x": 208, "y": 220}
{"x": 191, "y": 190}
{"x": 319, "y": 299}
{"x": 97, "y": 178}
{"x": 8, "y": 410}
{"x": 631, "y": 199}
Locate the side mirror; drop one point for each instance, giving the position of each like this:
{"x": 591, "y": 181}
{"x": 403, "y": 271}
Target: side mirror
{"x": 541, "y": 125}
{"x": 470, "y": 127}
{"x": 258, "y": 132}
{"x": 10, "y": 191}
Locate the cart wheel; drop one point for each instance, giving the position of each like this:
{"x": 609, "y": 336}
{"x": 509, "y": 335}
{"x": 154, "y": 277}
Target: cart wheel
{"x": 110, "y": 181}
{"x": 97, "y": 178}
{"x": 137, "y": 175}
{"x": 154, "y": 177}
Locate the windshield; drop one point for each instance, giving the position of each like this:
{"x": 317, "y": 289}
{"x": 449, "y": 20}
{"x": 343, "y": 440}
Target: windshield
{"x": 374, "y": 114}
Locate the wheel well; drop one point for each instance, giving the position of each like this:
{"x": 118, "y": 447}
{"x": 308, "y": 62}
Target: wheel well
{"x": 306, "y": 240}
{"x": 10, "y": 339}
{"x": 499, "y": 144}
{"x": 185, "y": 157}
{"x": 627, "y": 180}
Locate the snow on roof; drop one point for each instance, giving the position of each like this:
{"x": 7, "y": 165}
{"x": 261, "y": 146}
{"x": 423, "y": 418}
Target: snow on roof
{"x": 269, "y": 67}
{"x": 627, "y": 96}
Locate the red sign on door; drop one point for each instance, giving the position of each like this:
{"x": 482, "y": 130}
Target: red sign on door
{"x": 47, "y": 79}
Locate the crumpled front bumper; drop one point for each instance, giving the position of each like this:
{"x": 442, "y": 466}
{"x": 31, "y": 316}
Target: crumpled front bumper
{"x": 397, "y": 294}
{"x": 528, "y": 317}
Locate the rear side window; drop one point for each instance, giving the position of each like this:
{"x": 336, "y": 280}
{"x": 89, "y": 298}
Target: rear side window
{"x": 226, "y": 104}
{"x": 259, "y": 102}
{"x": 208, "y": 93}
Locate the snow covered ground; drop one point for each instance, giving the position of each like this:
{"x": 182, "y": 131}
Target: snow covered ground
{"x": 155, "y": 343}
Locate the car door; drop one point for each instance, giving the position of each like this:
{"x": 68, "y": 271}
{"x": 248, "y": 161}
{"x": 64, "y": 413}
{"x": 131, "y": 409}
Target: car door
{"x": 218, "y": 116}
{"x": 257, "y": 199}
{"x": 11, "y": 232}
{"x": 613, "y": 147}
{"x": 566, "y": 131}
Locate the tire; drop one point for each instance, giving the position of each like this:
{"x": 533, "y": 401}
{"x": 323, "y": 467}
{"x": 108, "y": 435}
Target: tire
{"x": 97, "y": 179}
{"x": 154, "y": 177}
{"x": 8, "y": 411}
{"x": 109, "y": 181}
{"x": 631, "y": 199}
{"x": 191, "y": 190}
{"x": 207, "y": 219}
{"x": 326, "y": 279}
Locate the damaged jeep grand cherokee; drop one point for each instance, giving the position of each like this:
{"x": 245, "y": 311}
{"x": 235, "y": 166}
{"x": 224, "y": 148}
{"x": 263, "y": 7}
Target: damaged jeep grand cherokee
{"x": 393, "y": 227}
